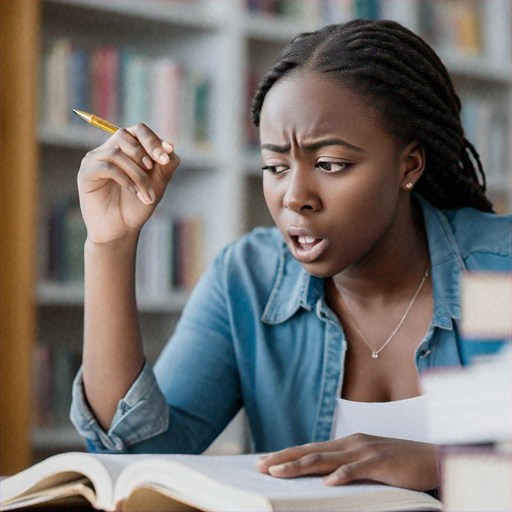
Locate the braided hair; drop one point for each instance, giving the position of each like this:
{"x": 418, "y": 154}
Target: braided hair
{"x": 410, "y": 87}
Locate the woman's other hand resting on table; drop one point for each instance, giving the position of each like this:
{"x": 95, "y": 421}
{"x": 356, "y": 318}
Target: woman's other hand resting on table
{"x": 408, "y": 464}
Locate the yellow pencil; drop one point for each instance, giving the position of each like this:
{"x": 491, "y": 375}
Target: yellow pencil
{"x": 97, "y": 121}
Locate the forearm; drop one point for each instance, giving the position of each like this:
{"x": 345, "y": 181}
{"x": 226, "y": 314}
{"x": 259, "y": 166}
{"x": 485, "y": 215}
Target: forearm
{"x": 113, "y": 354}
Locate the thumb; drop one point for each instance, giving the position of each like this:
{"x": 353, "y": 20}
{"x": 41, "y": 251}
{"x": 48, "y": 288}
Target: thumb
{"x": 166, "y": 172}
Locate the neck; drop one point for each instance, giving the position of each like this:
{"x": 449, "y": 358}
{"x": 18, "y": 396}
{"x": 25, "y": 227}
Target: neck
{"x": 393, "y": 266}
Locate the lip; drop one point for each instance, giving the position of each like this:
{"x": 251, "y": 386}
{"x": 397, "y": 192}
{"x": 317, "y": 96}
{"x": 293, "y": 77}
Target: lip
{"x": 300, "y": 253}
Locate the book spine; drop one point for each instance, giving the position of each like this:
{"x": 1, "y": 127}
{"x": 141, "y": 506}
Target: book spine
{"x": 41, "y": 384}
{"x": 79, "y": 82}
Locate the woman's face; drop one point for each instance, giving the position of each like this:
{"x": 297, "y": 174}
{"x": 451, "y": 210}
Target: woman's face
{"x": 332, "y": 175}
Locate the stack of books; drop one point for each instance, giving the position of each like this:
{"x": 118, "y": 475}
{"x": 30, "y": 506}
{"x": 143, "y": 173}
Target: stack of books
{"x": 470, "y": 408}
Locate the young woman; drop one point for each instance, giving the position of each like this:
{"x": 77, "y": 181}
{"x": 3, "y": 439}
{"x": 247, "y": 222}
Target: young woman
{"x": 321, "y": 326}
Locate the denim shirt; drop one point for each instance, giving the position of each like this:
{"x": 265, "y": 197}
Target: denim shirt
{"x": 257, "y": 333}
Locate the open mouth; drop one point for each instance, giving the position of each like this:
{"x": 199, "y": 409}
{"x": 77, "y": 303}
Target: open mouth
{"x": 308, "y": 248}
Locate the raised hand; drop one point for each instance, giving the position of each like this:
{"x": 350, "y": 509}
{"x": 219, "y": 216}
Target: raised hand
{"x": 408, "y": 464}
{"x": 121, "y": 182}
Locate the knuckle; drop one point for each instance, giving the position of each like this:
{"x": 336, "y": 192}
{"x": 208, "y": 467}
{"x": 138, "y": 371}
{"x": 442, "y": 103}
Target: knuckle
{"x": 311, "y": 459}
{"x": 142, "y": 177}
{"x": 139, "y": 152}
{"x": 360, "y": 438}
{"x": 107, "y": 167}
{"x": 346, "y": 471}
{"x": 124, "y": 134}
{"x": 141, "y": 128}
{"x": 114, "y": 151}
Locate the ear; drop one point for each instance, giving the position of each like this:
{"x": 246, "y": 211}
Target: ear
{"x": 412, "y": 164}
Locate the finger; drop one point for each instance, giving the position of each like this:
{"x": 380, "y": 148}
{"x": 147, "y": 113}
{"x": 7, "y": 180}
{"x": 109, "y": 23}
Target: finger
{"x": 166, "y": 172}
{"x": 153, "y": 144}
{"x": 293, "y": 453}
{"x": 115, "y": 156}
{"x": 131, "y": 147}
{"x": 352, "y": 471}
{"x": 105, "y": 171}
{"x": 310, "y": 464}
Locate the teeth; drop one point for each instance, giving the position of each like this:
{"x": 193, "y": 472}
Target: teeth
{"x": 306, "y": 239}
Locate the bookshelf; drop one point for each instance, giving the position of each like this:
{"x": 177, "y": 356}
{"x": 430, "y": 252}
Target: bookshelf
{"x": 227, "y": 41}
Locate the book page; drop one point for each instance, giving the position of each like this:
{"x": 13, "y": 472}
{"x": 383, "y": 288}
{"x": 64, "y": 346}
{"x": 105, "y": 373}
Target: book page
{"x": 52, "y": 477}
{"x": 232, "y": 483}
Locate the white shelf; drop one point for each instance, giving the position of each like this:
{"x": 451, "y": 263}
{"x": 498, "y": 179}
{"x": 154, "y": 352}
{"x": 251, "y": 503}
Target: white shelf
{"x": 87, "y": 137}
{"x": 189, "y": 14}
{"x": 72, "y": 295}
{"x": 55, "y": 438}
{"x": 476, "y": 68}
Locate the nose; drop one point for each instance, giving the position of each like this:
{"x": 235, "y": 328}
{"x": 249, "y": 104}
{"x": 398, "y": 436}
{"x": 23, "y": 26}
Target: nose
{"x": 301, "y": 192}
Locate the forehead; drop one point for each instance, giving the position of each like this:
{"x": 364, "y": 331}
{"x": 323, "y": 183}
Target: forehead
{"x": 310, "y": 105}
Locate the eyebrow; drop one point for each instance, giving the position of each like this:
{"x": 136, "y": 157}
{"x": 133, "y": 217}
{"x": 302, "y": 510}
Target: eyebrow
{"x": 312, "y": 146}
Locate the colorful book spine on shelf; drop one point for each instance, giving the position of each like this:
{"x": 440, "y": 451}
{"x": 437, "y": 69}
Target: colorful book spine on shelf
{"x": 125, "y": 87}
{"x": 188, "y": 250}
{"x": 41, "y": 384}
{"x": 452, "y": 26}
{"x": 317, "y": 11}
{"x": 154, "y": 268}
{"x": 252, "y": 136}
{"x": 57, "y": 83}
{"x": 169, "y": 255}
{"x": 66, "y": 236}
{"x": 485, "y": 127}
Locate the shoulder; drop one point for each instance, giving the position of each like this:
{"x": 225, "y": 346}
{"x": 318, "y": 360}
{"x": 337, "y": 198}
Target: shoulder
{"x": 484, "y": 239}
{"x": 481, "y": 231}
{"x": 257, "y": 254}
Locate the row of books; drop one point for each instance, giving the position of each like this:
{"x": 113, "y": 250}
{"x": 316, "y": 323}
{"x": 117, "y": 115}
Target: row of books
{"x": 453, "y": 25}
{"x": 169, "y": 255}
{"x": 485, "y": 128}
{"x": 470, "y": 408}
{"x": 125, "y": 87}
{"x": 54, "y": 368}
{"x": 319, "y": 11}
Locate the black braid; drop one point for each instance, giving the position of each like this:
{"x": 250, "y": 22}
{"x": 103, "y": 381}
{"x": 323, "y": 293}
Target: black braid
{"x": 413, "y": 91}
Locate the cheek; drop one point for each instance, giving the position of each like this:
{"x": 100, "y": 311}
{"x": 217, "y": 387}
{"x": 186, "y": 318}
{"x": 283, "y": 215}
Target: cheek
{"x": 271, "y": 195}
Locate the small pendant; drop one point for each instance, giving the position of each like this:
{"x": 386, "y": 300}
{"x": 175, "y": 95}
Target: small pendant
{"x": 375, "y": 355}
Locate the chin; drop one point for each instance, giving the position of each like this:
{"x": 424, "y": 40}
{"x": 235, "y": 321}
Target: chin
{"x": 321, "y": 270}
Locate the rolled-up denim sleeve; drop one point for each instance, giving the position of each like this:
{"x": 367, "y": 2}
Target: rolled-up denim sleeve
{"x": 143, "y": 400}
{"x": 193, "y": 392}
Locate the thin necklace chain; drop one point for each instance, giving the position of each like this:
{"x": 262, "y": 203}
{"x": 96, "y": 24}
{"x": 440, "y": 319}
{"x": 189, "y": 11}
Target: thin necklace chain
{"x": 375, "y": 353}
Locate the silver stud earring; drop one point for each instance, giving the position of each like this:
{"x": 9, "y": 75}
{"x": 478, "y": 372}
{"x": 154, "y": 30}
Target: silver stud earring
{"x": 408, "y": 186}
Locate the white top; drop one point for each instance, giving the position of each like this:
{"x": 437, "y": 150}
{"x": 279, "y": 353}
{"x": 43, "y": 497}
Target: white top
{"x": 401, "y": 419}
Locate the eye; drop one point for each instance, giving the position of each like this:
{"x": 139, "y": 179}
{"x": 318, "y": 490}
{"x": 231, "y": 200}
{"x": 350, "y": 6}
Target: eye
{"x": 274, "y": 169}
{"x": 332, "y": 166}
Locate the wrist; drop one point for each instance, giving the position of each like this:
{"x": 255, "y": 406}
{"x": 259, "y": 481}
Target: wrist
{"x": 120, "y": 245}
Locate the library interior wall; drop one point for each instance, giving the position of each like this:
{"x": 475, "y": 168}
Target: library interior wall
{"x": 227, "y": 44}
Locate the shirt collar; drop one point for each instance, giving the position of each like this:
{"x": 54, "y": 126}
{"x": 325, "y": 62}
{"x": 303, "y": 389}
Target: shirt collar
{"x": 294, "y": 287}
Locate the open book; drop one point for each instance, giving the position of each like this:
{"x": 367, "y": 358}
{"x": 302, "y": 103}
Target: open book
{"x": 190, "y": 482}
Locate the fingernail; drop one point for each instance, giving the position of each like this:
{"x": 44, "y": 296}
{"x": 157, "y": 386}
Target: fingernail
{"x": 142, "y": 198}
{"x": 162, "y": 157}
{"x": 167, "y": 147}
{"x": 147, "y": 162}
{"x": 151, "y": 194}
{"x": 330, "y": 480}
{"x": 279, "y": 468}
